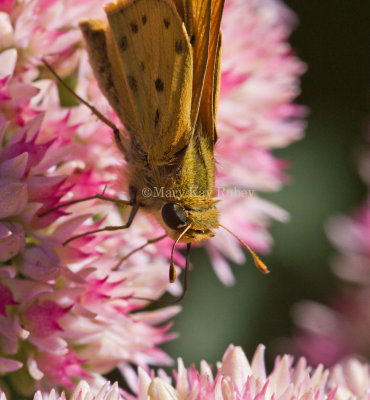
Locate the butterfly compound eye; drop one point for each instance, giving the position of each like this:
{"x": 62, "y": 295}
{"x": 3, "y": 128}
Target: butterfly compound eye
{"x": 174, "y": 215}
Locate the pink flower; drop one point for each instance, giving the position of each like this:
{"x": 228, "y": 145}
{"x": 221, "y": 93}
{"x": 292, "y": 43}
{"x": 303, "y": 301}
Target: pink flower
{"x": 236, "y": 378}
{"x": 70, "y": 311}
{"x": 11, "y": 240}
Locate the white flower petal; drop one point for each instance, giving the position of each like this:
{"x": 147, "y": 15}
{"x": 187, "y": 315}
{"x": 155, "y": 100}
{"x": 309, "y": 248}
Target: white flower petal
{"x": 182, "y": 384}
{"x": 160, "y": 390}
{"x": 258, "y": 362}
{"x": 144, "y": 383}
{"x": 236, "y": 366}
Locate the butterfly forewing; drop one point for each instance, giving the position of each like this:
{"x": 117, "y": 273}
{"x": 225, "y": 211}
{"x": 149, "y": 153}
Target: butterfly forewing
{"x": 151, "y": 50}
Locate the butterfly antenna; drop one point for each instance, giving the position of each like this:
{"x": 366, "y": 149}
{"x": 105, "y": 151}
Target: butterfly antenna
{"x": 184, "y": 285}
{"x": 258, "y": 262}
{"x": 131, "y": 217}
{"x": 172, "y": 272}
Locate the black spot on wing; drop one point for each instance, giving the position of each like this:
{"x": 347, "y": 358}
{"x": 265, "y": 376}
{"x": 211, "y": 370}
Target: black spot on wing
{"x": 166, "y": 23}
{"x": 156, "y": 120}
{"x": 113, "y": 98}
{"x": 123, "y": 43}
{"x": 159, "y": 85}
{"x": 95, "y": 34}
{"x": 132, "y": 82}
{"x": 110, "y": 89}
{"x": 109, "y": 81}
{"x": 179, "y": 47}
{"x": 134, "y": 27}
{"x": 144, "y": 19}
{"x": 142, "y": 66}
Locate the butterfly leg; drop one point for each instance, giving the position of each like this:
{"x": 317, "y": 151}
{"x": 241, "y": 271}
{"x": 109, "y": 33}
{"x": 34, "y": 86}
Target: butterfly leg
{"x": 96, "y": 196}
{"x": 149, "y": 241}
{"x": 73, "y": 93}
{"x": 131, "y": 217}
{"x": 116, "y": 132}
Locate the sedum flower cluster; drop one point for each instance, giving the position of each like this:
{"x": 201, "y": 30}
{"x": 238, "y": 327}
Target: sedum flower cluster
{"x": 236, "y": 378}
{"x": 68, "y": 312}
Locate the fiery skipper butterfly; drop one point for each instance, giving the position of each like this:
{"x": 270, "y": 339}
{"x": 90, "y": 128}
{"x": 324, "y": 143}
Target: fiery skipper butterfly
{"x": 158, "y": 64}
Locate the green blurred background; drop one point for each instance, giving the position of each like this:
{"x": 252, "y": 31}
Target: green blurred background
{"x": 333, "y": 38}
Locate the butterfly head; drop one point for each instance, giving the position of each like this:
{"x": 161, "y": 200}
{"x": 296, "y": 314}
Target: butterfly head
{"x": 199, "y": 221}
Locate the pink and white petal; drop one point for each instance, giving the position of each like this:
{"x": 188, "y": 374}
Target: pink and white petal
{"x": 8, "y": 365}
